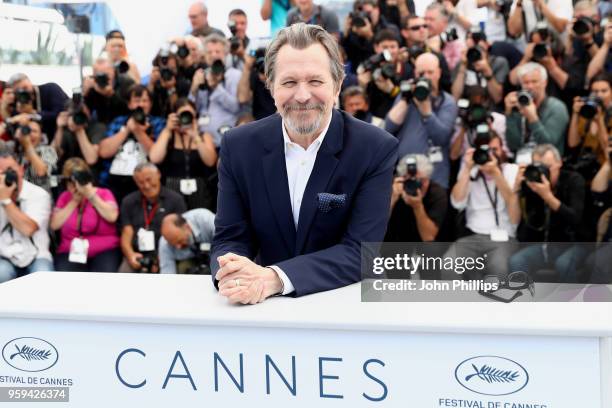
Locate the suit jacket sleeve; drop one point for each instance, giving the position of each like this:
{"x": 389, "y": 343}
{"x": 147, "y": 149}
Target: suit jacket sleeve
{"x": 233, "y": 232}
{"x": 340, "y": 265}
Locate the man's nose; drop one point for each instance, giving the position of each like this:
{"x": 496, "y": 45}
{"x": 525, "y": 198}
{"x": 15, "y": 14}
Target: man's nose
{"x": 302, "y": 93}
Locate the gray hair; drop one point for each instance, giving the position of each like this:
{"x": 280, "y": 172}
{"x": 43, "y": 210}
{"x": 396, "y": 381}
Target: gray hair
{"x": 584, "y": 5}
{"x": 301, "y": 36}
{"x": 541, "y": 149}
{"x": 215, "y": 38}
{"x": 530, "y": 67}
{"x": 354, "y": 90}
{"x": 424, "y": 166}
{"x": 16, "y": 78}
{"x": 145, "y": 165}
{"x": 439, "y": 7}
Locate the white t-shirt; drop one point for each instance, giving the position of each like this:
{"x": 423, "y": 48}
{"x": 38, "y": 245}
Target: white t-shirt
{"x": 561, "y": 8}
{"x": 469, "y": 10}
{"x": 35, "y": 202}
{"x": 479, "y": 213}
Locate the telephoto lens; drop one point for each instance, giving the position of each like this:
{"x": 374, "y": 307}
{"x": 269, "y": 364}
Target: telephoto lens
{"x": 185, "y": 119}
{"x": 10, "y": 177}
{"x": 102, "y": 80}
{"x": 422, "y": 89}
{"x": 524, "y": 98}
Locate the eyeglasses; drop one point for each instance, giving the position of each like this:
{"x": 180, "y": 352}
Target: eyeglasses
{"x": 516, "y": 281}
{"x": 418, "y": 27}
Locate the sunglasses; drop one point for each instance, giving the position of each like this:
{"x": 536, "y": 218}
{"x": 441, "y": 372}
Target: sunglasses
{"x": 418, "y": 27}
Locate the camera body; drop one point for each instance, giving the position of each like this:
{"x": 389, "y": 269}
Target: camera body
{"x": 411, "y": 184}
{"x": 535, "y": 171}
{"x": 122, "y": 67}
{"x": 474, "y": 54}
{"x": 376, "y": 60}
{"x": 82, "y": 177}
{"x": 359, "y": 18}
{"x": 77, "y": 112}
{"x": 201, "y": 260}
{"x": 139, "y": 116}
{"x": 472, "y": 115}
{"x": 185, "y": 119}
{"x": 23, "y": 96}
{"x": 419, "y": 88}
{"x": 217, "y": 68}
{"x": 386, "y": 71}
{"x": 589, "y": 109}
{"x": 449, "y": 35}
{"x": 166, "y": 74}
{"x": 482, "y": 154}
{"x": 101, "y": 79}
{"x": 582, "y": 25}
{"x": 524, "y": 98}
{"x": 10, "y": 177}
{"x": 147, "y": 263}
{"x": 540, "y": 51}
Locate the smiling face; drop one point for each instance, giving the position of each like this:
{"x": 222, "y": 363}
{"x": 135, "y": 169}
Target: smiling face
{"x": 303, "y": 89}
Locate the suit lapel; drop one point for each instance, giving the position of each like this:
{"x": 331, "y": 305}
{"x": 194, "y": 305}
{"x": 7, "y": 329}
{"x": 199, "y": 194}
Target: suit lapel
{"x": 324, "y": 167}
{"x": 277, "y": 186}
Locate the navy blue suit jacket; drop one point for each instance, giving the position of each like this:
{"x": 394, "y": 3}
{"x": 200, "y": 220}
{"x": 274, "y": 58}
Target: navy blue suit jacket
{"x": 255, "y": 219}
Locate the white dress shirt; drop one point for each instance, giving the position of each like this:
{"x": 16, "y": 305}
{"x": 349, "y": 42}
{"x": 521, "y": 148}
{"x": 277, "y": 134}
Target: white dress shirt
{"x": 299, "y": 163}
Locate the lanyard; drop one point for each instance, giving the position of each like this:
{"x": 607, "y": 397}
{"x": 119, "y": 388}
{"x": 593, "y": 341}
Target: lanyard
{"x": 148, "y": 218}
{"x": 186, "y": 153}
{"x": 492, "y": 199}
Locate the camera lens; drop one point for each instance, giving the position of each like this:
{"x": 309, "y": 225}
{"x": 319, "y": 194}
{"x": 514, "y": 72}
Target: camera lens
{"x": 101, "y": 80}
{"x": 422, "y": 89}
{"x": 185, "y": 118}
{"x": 481, "y": 155}
{"x": 10, "y": 177}
{"x": 524, "y": 98}
{"x": 182, "y": 52}
{"x": 581, "y": 26}
{"x": 473, "y": 55}
{"x": 123, "y": 67}
{"x": 166, "y": 74}
{"x": 139, "y": 116}
{"x": 79, "y": 118}
{"x": 217, "y": 67}
{"x": 540, "y": 51}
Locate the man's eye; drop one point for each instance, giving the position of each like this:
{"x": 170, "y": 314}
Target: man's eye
{"x": 316, "y": 82}
{"x": 288, "y": 83}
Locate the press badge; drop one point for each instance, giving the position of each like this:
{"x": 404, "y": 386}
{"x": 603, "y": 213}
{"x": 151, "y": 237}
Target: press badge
{"x": 78, "y": 250}
{"x": 188, "y": 186}
{"x": 146, "y": 240}
{"x": 53, "y": 182}
{"x": 435, "y": 154}
{"x": 499, "y": 235}
{"x": 204, "y": 121}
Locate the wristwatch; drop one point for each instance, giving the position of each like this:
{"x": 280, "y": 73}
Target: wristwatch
{"x": 6, "y": 202}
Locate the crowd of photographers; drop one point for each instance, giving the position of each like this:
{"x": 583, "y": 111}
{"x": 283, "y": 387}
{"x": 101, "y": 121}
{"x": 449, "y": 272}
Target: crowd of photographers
{"x": 504, "y": 129}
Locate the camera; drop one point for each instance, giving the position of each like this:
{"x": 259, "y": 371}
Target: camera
{"x": 147, "y": 262}
{"x": 449, "y": 36}
{"x": 582, "y": 25}
{"x": 481, "y": 154}
{"x": 182, "y": 52}
{"x": 25, "y": 130}
{"x": 535, "y": 171}
{"x": 101, "y": 79}
{"x": 418, "y": 89}
{"x": 589, "y": 109}
{"x": 201, "y": 260}
{"x": 541, "y": 28}
{"x": 524, "y": 98}
{"x": 235, "y": 43}
{"x": 359, "y": 18}
{"x": 477, "y": 34}
{"x": 217, "y": 68}
{"x": 504, "y": 7}
{"x": 10, "y": 177}
{"x": 122, "y": 67}
{"x": 139, "y": 116}
{"x": 185, "y": 119}
{"x": 474, "y": 55}
{"x": 376, "y": 60}
{"x": 82, "y": 177}
{"x": 166, "y": 74}
{"x": 164, "y": 55}
{"x": 76, "y": 110}
{"x": 540, "y": 51}
{"x": 471, "y": 115}
{"x": 23, "y": 96}
{"x": 411, "y": 184}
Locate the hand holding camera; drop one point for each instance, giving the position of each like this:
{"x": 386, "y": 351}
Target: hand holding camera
{"x": 62, "y": 119}
{"x": 8, "y": 183}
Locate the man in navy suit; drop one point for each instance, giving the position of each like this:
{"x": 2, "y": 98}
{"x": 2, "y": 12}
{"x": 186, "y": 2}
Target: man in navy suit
{"x": 300, "y": 190}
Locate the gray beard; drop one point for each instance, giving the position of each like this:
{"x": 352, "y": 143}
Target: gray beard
{"x": 301, "y": 127}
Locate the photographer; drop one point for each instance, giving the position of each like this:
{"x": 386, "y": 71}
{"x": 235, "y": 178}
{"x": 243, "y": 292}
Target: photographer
{"x": 602, "y": 60}
{"x": 186, "y": 157}
{"x": 239, "y": 42}
{"x": 39, "y": 160}
{"x": 185, "y": 243}
{"x": 21, "y": 97}
{"x": 128, "y": 141}
{"x": 600, "y": 261}
{"x": 478, "y": 67}
{"x": 78, "y": 135}
{"x": 423, "y": 118}
{"x": 105, "y": 92}
{"x": 498, "y": 12}
{"x": 165, "y": 84}
{"x": 198, "y": 18}
{"x": 532, "y": 117}
{"x": 360, "y": 27}
{"x": 85, "y": 216}
{"x": 590, "y": 126}
{"x": 525, "y": 14}
{"x": 552, "y": 200}
{"x": 215, "y": 89}
{"x": 379, "y": 75}
{"x": 117, "y": 54}
{"x": 306, "y": 11}
{"x": 441, "y": 38}
{"x": 418, "y": 205}
{"x": 189, "y": 53}
{"x": 252, "y": 88}
{"x": 355, "y": 102}
{"x": 24, "y": 217}
{"x": 142, "y": 212}
{"x": 492, "y": 212}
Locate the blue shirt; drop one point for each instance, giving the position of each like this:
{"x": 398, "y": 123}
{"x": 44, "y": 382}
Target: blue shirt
{"x": 157, "y": 125}
{"x": 418, "y": 135}
{"x": 202, "y": 224}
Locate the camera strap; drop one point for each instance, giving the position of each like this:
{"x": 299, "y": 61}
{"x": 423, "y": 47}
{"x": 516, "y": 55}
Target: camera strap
{"x": 148, "y": 218}
{"x": 492, "y": 199}
{"x": 186, "y": 154}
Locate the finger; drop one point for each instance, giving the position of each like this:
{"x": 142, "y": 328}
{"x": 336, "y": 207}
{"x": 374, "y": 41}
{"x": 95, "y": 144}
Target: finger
{"x": 242, "y": 296}
{"x": 230, "y": 268}
{"x": 230, "y": 282}
{"x": 228, "y": 292}
{"x": 256, "y": 289}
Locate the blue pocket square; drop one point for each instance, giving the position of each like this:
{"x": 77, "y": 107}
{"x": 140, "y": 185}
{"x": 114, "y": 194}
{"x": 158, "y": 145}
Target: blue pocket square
{"x": 328, "y": 201}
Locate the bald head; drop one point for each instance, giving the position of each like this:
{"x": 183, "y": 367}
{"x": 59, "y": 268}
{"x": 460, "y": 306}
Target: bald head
{"x": 176, "y": 231}
{"x": 428, "y": 65}
{"x": 198, "y": 16}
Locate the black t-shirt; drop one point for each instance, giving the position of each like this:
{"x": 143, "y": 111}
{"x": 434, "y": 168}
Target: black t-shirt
{"x": 565, "y": 222}
{"x": 133, "y": 213}
{"x": 96, "y": 132}
{"x": 263, "y": 103}
{"x": 106, "y": 109}
{"x": 402, "y": 225}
